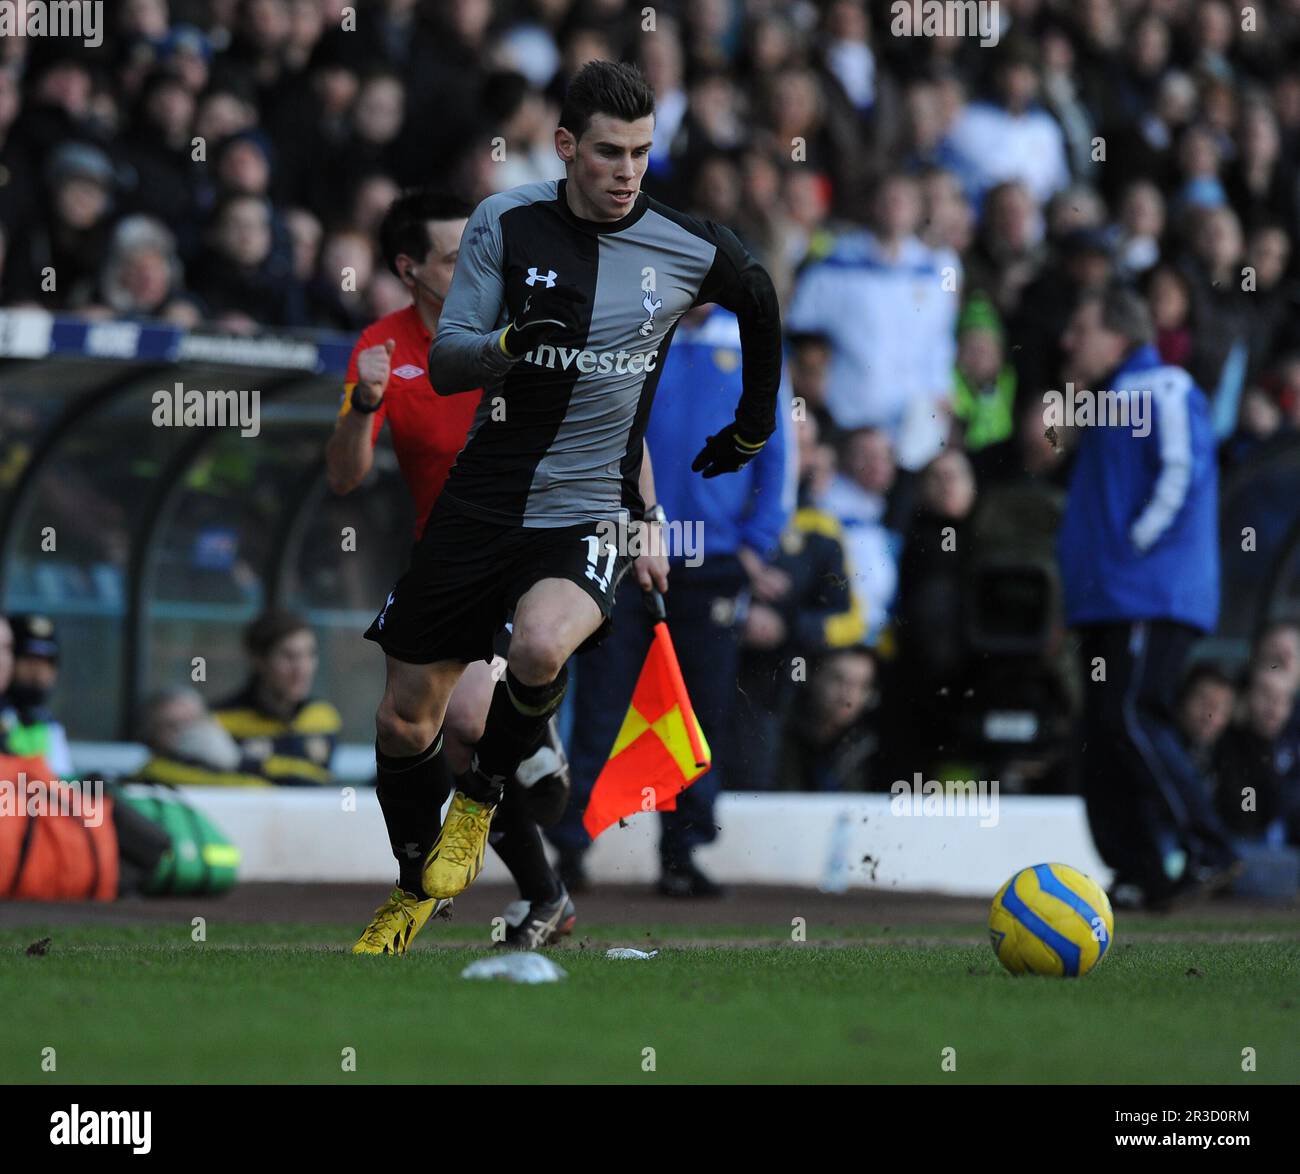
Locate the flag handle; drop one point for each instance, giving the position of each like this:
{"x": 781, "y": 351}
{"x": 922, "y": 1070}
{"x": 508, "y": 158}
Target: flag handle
{"x": 654, "y": 604}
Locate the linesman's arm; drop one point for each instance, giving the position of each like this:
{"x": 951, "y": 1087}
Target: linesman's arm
{"x": 740, "y": 284}
{"x": 350, "y": 452}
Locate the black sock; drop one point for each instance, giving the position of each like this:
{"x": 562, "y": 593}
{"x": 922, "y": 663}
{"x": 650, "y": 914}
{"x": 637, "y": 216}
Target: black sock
{"x": 516, "y": 724}
{"x": 518, "y": 841}
{"x": 411, "y": 793}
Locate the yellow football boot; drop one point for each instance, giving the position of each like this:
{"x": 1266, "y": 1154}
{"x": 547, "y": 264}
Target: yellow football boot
{"x": 457, "y": 854}
{"x": 397, "y": 921}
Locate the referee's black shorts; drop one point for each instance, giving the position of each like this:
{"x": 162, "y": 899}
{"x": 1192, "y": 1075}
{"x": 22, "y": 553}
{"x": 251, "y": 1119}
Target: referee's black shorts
{"x": 467, "y": 575}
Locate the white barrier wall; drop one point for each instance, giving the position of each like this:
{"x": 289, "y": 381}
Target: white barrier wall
{"x": 308, "y": 835}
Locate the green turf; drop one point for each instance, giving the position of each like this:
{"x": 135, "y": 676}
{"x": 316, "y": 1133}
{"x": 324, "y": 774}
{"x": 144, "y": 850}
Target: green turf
{"x": 280, "y": 1004}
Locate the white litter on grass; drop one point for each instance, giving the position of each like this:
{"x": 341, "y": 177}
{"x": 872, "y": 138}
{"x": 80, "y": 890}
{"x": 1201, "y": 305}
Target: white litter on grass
{"x": 627, "y": 952}
{"x": 515, "y": 967}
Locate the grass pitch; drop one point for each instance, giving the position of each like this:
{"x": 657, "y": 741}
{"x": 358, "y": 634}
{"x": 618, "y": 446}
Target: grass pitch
{"x": 1174, "y": 1001}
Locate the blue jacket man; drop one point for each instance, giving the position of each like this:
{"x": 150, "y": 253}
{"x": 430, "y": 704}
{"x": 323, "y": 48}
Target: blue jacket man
{"x": 1139, "y": 539}
{"x": 1139, "y": 559}
{"x": 720, "y": 534}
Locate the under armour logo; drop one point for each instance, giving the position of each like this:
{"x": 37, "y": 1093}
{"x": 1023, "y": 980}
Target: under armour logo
{"x": 388, "y": 603}
{"x": 534, "y": 277}
{"x": 411, "y": 851}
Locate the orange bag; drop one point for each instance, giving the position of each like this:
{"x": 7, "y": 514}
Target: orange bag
{"x": 55, "y": 855}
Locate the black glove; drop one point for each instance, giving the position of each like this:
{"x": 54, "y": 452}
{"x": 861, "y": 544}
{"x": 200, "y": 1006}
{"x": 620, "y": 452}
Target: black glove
{"x": 726, "y": 452}
{"x": 545, "y": 312}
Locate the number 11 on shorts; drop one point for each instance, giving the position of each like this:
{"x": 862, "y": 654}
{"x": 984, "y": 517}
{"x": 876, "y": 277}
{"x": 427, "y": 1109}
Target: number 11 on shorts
{"x": 594, "y": 544}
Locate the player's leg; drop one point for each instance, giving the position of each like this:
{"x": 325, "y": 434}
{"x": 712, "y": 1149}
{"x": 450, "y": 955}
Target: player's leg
{"x": 552, "y": 618}
{"x": 441, "y": 616}
{"x": 515, "y": 834}
{"x": 467, "y": 711}
{"x": 413, "y": 783}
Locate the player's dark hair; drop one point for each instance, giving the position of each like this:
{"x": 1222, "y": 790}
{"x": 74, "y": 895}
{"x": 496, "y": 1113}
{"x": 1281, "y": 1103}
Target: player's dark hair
{"x": 405, "y": 226}
{"x": 265, "y": 632}
{"x": 605, "y": 87}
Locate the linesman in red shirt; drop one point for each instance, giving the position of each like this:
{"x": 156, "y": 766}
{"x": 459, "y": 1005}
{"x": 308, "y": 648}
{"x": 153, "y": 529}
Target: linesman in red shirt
{"x": 387, "y": 381}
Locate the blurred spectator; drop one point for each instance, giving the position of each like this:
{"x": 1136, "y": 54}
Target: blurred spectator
{"x": 143, "y": 273}
{"x": 1221, "y": 311}
{"x": 374, "y": 195}
{"x": 1030, "y": 455}
{"x": 1010, "y": 137}
{"x": 1259, "y": 422}
{"x": 32, "y": 728}
{"x": 782, "y": 629}
{"x": 306, "y": 233}
{"x": 1205, "y": 704}
{"x": 18, "y": 195}
{"x": 158, "y": 146}
{"x": 1141, "y": 226}
{"x": 243, "y": 164}
{"x": 1084, "y": 264}
{"x": 1008, "y": 250}
{"x": 241, "y": 282}
{"x": 526, "y": 123}
{"x": 224, "y": 110}
{"x": 1261, "y": 183}
{"x": 927, "y": 676}
{"x": 188, "y": 746}
{"x": 338, "y": 293}
{"x": 1144, "y": 147}
{"x": 1275, "y": 297}
{"x": 1278, "y": 650}
{"x": 888, "y": 304}
{"x": 828, "y": 743}
{"x": 284, "y": 734}
{"x": 1169, "y": 293}
{"x": 984, "y": 384}
{"x": 858, "y": 498}
{"x": 948, "y": 219}
{"x": 809, "y": 368}
{"x": 57, "y": 261}
{"x": 1249, "y": 792}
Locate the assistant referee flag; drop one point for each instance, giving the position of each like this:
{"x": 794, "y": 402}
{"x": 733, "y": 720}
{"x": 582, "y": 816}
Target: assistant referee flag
{"x": 660, "y": 749}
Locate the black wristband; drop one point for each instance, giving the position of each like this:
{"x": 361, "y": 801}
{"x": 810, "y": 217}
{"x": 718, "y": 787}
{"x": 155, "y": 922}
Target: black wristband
{"x": 363, "y": 409}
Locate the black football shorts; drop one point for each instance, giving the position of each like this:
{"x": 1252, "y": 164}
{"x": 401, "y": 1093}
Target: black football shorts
{"x": 467, "y": 575}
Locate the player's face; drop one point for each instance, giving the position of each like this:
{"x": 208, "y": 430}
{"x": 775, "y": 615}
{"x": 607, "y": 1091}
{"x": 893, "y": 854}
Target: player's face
{"x": 606, "y": 165}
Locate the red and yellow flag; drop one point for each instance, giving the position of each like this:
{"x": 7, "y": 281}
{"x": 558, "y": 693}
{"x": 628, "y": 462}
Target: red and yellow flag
{"x": 660, "y": 750}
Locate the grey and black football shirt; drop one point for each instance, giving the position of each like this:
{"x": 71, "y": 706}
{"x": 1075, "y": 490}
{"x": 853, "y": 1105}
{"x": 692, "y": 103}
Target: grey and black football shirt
{"x": 557, "y": 437}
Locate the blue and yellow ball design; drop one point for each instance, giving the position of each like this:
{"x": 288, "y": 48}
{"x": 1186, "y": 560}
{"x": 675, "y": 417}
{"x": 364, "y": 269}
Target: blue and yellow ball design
{"x": 1051, "y": 919}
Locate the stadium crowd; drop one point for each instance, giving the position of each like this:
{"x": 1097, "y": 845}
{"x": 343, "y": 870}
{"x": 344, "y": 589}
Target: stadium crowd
{"x": 931, "y": 210}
